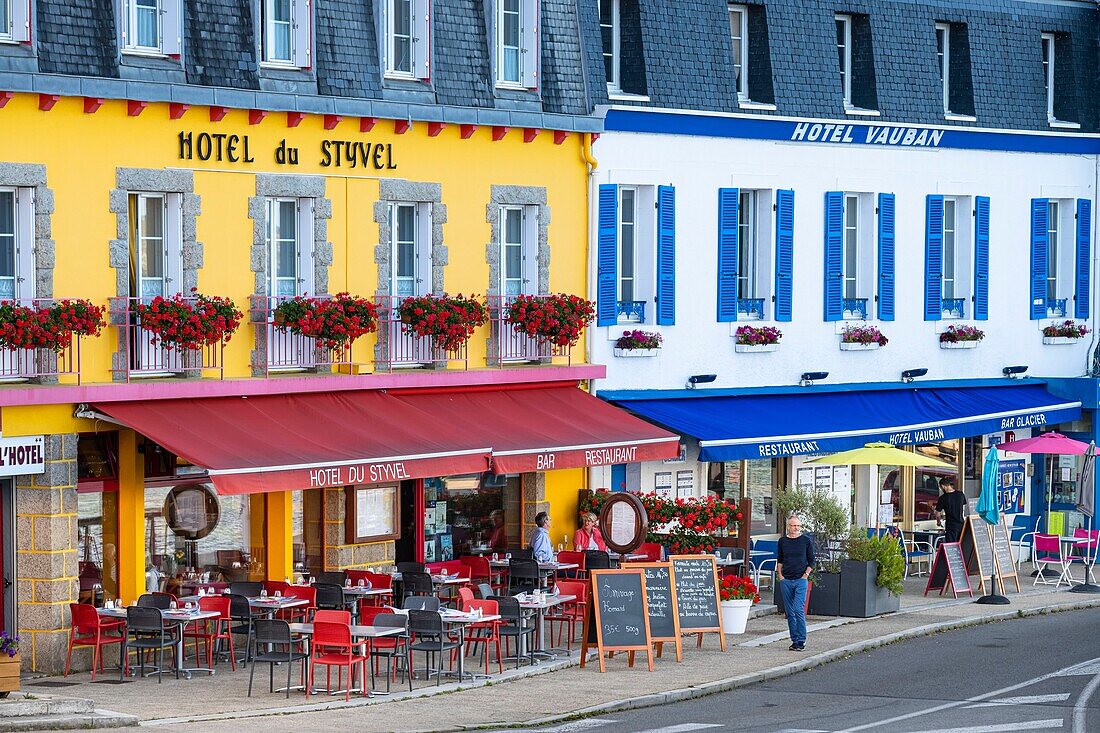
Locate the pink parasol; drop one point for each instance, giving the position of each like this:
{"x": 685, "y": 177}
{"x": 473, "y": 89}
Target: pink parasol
{"x": 1055, "y": 443}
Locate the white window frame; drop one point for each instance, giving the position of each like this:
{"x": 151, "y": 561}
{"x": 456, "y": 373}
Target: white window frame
{"x": 130, "y": 23}
{"x": 24, "y": 282}
{"x": 501, "y": 80}
{"x": 644, "y": 279}
{"x": 950, "y": 232}
{"x": 943, "y": 59}
{"x": 300, "y": 48}
{"x": 419, "y": 40}
{"x": 303, "y": 244}
{"x": 421, "y": 279}
{"x": 614, "y": 81}
{"x": 1054, "y": 247}
{"x": 850, "y": 240}
{"x": 844, "y": 57}
{"x": 391, "y": 16}
{"x": 865, "y": 278}
{"x": 748, "y": 242}
{"x": 171, "y": 245}
{"x": 16, "y": 28}
{"x": 7, "y": 21}
{"x": 739, "y": 15}
{"x": 528, "y": 275}
{"x": 1048, "y": 72}
{"x": 623, "y": 226}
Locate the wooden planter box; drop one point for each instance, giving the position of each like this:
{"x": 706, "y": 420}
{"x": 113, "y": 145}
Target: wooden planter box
{"x": 959, "y": 344}
{"x": 9, "y": 674}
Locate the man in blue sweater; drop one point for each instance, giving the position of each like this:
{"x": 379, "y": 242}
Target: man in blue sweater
{"x": 796, "y": 560}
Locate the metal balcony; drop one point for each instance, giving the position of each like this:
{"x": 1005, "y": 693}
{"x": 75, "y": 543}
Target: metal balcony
{"x": 22, "y": 365}
{"x": 398, "y": 347}
{"x": 507, "y": 345}
{"x": 630, "y": 311}
{"x": 854, "y": 309}
{"x": 1056, "y": 307}
{"x": 281, "y": 350}
{"x": 953, "y": 307}
{"x": 141, "y": 354}
{"x": 750, "y": 309}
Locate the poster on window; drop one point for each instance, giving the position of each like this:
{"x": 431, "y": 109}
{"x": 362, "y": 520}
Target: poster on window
{"x": 1011, "y": 484}
{"x": 662, "y": 484}
{"x": 685, "y": 484}
{"x": 804, "y": 479}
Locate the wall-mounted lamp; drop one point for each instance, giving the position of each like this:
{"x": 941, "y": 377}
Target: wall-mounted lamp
{"x": 808, "y": 378}
{"x": 1015, "y": 372}
{"x": 695, "y": 379}
{"x": 910, "y": 374}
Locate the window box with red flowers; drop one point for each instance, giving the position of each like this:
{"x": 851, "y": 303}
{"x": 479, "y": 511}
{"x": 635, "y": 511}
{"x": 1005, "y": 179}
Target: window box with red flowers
{"x": 50, "y": 327}
{"x": 862, "y": 338}
{"x": 636, "y": 343}
{"x": 737, "y": 597}
{"x": 333, "y": 322}
{"x": 557, "y": 319}
{"x": 1064, "y": 333}
{"x": 756, "y": 339}
{"x": 189, "y": 323}
{"x": 684, "y": 526}
{"x": 961, "y": 337}
{"x": 449, "y": 321}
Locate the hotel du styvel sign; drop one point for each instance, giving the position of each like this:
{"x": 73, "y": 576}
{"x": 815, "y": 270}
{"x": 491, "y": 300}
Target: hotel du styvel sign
{"x": 224, "y": 147}
{"x": 22, "y": 456}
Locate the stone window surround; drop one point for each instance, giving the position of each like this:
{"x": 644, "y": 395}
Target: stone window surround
{"x": 277, "y": 185}
{"x": 152, "y": 180}
{"x": 517, "y": 196}
{"x": 28, "y": 175}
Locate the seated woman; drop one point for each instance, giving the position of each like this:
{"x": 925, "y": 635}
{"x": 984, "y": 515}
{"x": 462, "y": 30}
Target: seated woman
{"x": 588, "y": 537}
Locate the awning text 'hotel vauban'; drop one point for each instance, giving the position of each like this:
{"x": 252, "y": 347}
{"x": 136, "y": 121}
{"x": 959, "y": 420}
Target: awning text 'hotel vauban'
{"x": 301, "y": 441}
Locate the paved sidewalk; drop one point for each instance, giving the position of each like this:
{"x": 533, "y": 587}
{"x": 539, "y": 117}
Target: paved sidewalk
{"x": 548, "y": 692}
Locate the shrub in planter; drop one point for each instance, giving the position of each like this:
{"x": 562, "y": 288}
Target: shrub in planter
{"x": 559, "y": 319}
{"x": 884, "y": 549}
{"x": 758, "y": 335}
{"x": 449, "y": 321}
{"x": 190, "y": 323}
{"x": 9, "y": 663}
{"x": 956, "y": 334}
{"x": 334, "y": 322}
{"x": 870, "y": 580}
{"x": 631, "y": 340}
{"x": 863, "y": 335}
{"x": 1066, "y": 329}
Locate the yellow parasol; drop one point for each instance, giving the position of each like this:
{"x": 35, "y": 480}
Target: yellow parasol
{"x": 878, "y": 454}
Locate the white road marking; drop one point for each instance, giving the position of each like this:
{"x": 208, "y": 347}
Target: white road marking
{"x": 1080, "y": 710}
{"x": 1022, "y": 700}
{"x": 683, "y": 728}
{"x": 570, "y": 727}
{"x": 1088, "y": 668}
{"x": 1053, "y": 723}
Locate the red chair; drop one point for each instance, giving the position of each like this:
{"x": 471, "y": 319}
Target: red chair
{"x": 464, "y": 596}
{"x": 333, "y": 647}
{"x": 492, "y": 629}
{"x": 308, "y": 593}
{"x": 570, "y": 612}
{"x": 327, "y": 616}
{"x": 651, "y": 550}
{"x": 90, "y": 630}
{"x": 568, "y": 556}
{"x": 482, "y": 572}
{"x": 277, "y": 586}
{"x": 376, "y": 580}
{"x": 208, "y": 631}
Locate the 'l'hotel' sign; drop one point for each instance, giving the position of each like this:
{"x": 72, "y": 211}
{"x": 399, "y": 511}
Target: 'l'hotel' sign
{"x": 22, "y": 456}
{"x": 222, "y": 147}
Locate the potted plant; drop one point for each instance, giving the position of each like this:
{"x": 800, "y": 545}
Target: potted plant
{"x": 871, "y": 577}
{"x": 190, "y": 323}
{"x": 826, "y": 521}
{"x": 334, "y": 322}
{"x": 757, "y": 338}
{"x": 9, "y": 663}
{"x": 862, "y": 338}
{"x": 558, "y": 319}
{"x": 449, "y": 321}
{"x": 961, "y": 337}
{"x": 1066, "y": 332}
{"x": 737, "y": 598}
{"x": 638, "y": 343}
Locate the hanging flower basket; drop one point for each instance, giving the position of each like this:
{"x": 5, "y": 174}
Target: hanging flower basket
{"x": 558, "y": 319}
{"x": 334, "y": 322}
{"x": 1064, "y": 333}
{"x": 449, "y": 321}
{"x": 862, "y": 338}
{"x": 191, "y": 323}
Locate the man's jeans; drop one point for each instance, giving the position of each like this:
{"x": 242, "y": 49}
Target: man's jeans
{"x": 794, "y": 601}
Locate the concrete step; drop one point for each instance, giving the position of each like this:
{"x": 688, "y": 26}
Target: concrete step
{"x": 38, "y": 705}
{"x": 83, "y": 721}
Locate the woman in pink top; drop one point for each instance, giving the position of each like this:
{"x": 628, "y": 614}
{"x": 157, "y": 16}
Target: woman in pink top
{"x": 588, "y": 537}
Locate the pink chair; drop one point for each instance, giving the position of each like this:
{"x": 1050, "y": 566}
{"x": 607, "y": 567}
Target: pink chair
{"x": 1048, "y": 554}
{"x": 1085, "y": 552}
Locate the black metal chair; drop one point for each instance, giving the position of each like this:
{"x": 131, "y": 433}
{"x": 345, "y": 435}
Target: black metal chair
{"x": 416, "y": 584}
{"x": 524, "y": 576}
{"x": 279, "y": 648}
{"x": 163, "y": 601}
{"x": 400, "y": 649}
{"x": 514, "y": 626}
{"x": 596, "y": 560}
{"x": 240, "y": 614}
{"x": 421, "y": 603}
{"x": 335, "y": 577}
{"x": 523, "y": 553}
{"x": 145, "y": 632}
{"x": 411, "y": 567}
{"x": 426, "y": 627}
{"x": 246, "y": 588}
{"x": 485, "y": 591}
{"x": 330, "y": 597}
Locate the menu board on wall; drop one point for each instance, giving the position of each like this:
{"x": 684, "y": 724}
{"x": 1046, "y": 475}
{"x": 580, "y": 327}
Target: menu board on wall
{"x": 371, "y": 513}
{"x": 685, "y": 484}
{"x": 662, "y": 484}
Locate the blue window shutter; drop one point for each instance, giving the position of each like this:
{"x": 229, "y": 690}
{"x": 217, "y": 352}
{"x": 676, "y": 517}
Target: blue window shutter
{"x": 886, "y": 256}
{"x": 1040, "y": 224}
{"x": 607, "y": 255}
{"x": 933, "y": 259}
{"x": 728, "y": 241}
{"x": 981, "y": 258}
{"x": 1081, "y": 292}
{"x": 834, "y": 253}
{"x": 666, "y": 255}
{"x": 784, "y": 254}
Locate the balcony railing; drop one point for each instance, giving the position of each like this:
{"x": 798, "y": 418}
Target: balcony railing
{"x": 141, "y": 354}
{"x": 21, "y": 365}
{"x": 281, "y": 350}
{"x": 398, "y": 348}
{"x": 1056, "y": 307}
{"x": 750, "y": 309}
{"x": 953, "y": 307}
{"x": 506, "y": 345}
{"x": 630, "y": 311}
{"x": 855, "y": 309}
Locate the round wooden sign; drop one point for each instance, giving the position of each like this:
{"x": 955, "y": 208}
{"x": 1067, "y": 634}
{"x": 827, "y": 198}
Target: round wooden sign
{"x": 623, "y": 522}
{"x": 191, "y": 511}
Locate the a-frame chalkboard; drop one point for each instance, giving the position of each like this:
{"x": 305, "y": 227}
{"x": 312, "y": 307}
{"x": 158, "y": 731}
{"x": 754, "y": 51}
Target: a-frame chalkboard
{"x": 696, "y": 581}
{"x": 664, "y": 621}
{"x": 1002, "y": 552}
{"x": 949, "y": 568}
{"x": 619, "y": 612}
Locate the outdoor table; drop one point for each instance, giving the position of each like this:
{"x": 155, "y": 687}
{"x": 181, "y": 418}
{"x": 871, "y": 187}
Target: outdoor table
{"x": 728, "y": 562}
{"x": 364, "y": 633}
{"x": 1069, "y": 544}
{"x": 180, "y": 617}
{"x": 354, "y": 593}
{"x": 933, "y": 537}
{"x": 550, "y": 600}
{"x": 440, "y": 579}
{"x": 460, "y": 619}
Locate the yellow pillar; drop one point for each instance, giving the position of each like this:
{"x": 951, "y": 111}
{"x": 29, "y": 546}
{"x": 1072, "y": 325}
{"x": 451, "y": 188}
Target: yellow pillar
{"x": 131, "y": 518}
{"x": 280, "y": 535}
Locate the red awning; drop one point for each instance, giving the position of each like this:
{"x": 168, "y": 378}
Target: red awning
{"x": 300, "y": 441}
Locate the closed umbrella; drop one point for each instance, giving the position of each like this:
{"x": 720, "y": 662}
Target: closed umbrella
{"x": 989, "y": 509}
{"x": 1052, "y": 444}
{"x": 1086, "y": 504}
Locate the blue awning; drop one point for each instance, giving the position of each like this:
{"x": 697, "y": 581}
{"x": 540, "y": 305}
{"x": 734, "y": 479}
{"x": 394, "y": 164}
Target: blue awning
{"x": 764, "y": 426}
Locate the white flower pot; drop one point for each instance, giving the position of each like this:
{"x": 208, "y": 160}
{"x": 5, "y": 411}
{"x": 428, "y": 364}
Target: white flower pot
{"x": 845, "y": 346}
{"x": 1059, "y": 340}
{"x": 958, "y": 344}
{"x": 754, "y": 348}
{"x": 735, "y": 615}
{"x": 635, "y": 353}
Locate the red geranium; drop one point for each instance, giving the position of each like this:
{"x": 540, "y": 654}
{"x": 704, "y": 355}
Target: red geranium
{"x": 334, "y": 322}
{"x": 189, "y": 323}
{"x": 449, "y": 321}
{"x": 559, "y": 319}
{"x": 735, "y": 588}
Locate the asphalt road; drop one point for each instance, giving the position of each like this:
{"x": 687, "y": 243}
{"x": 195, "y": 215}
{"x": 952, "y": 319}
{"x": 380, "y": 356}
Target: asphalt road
{"x": 1035, "y": 674}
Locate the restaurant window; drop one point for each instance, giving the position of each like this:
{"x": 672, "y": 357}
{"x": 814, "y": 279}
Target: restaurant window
{"x": 891, "y": 494}
{"x": 518, "y": 257}
{"x": 308, "y": 524}
{"x": 759, "y": 481}
{"x": 926, "y": 483}
{"x": 410, "y": 227}
{"x": 475, "y": 514}
{"x": 97, "y": 518}
{"x": 17, "y": 276}
{"x": 156, "y": 235}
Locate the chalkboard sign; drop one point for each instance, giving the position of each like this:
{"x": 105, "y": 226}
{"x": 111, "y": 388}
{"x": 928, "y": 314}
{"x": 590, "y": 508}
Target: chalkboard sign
{"x": 1002, "y": 551}
{"x": 695, "y": 578}
{"x": 977, "y": 549}
{"x": 949, "y": 567}
{"x": 664, "y": 624}
{"x": 620, "y": 614}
